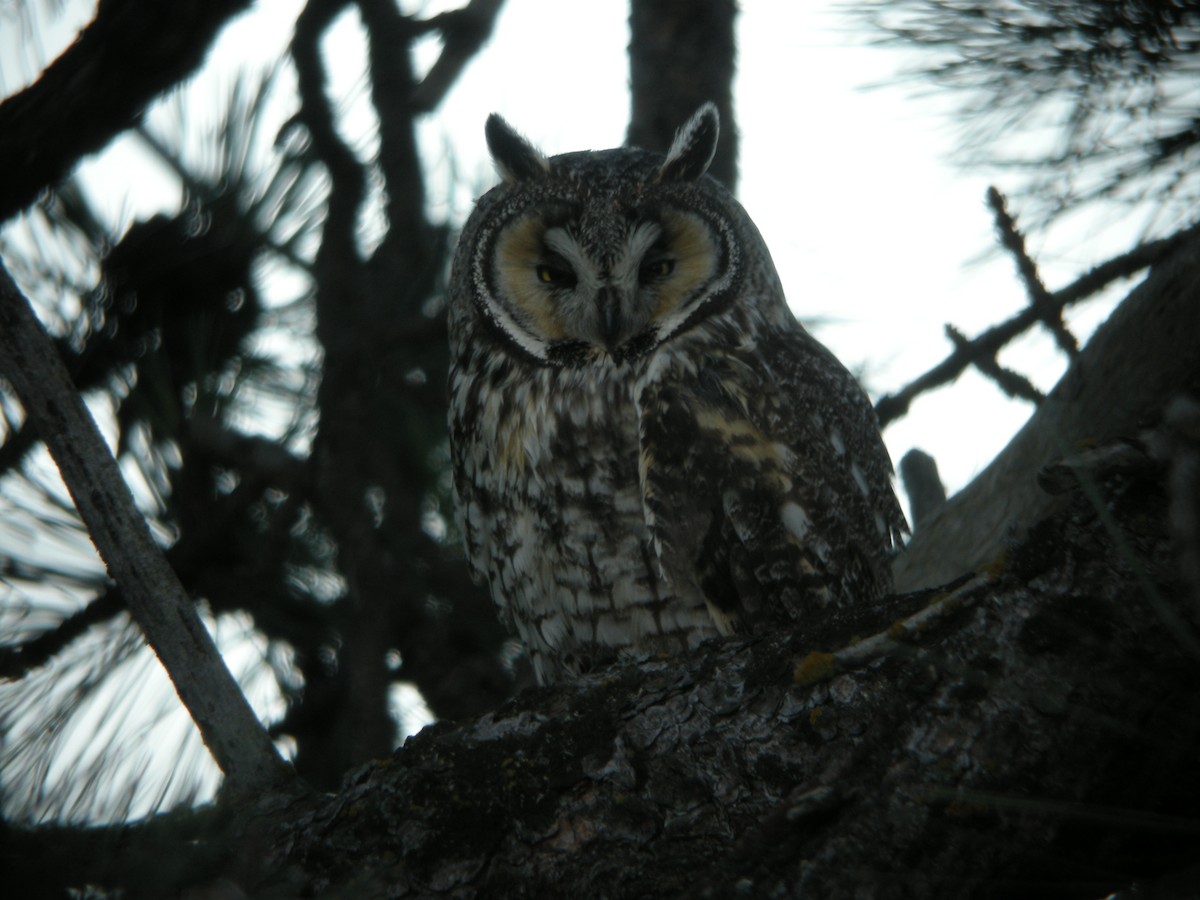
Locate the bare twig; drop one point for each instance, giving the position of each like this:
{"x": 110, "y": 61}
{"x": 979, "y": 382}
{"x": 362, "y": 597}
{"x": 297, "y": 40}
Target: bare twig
{"x": 1131, "y": 367}
{"x": 156, "y": 599}
{"x": 1012, "y": 383}
{"x": 988, "y": 344}
{"x": 18, "y": 660}
{"x": 957, "y": 596}
{"x": 1039, "y": 297}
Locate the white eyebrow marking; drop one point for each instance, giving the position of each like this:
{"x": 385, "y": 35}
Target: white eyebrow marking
{"x": 637, "y": 243}
{"x": 560, "y": 240}
{"x": 641, "y": 239}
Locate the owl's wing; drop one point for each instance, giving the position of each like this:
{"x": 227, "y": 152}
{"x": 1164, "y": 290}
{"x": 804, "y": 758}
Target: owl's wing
{"x": 474, "y": 509}
{"x": 766, "y": 485}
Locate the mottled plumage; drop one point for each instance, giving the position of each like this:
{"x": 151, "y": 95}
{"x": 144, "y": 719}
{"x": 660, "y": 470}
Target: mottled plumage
{"x": 648, "y": 449}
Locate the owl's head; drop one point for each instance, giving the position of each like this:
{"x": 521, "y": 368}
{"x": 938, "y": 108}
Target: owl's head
{"x": 599, "y": 255}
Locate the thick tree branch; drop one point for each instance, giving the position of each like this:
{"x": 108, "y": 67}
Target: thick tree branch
{"x": 167, "y": 616}
{"x": 131, "y": 52}
{"x": 1017, "y": 737}
{"x": 970, "y": 748}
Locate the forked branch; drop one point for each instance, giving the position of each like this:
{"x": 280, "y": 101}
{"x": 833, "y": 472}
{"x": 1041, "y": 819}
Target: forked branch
{"x": 1045, "y": 307}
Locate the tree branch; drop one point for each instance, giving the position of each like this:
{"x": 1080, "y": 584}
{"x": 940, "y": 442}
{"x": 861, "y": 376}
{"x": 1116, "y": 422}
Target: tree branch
{"x": 127, "y": 56}
{"x": 891, "y": 407}
{"x": 392, "y": 84}
{"x": 1039, "y": 297}
{"x": 1012, "y": 383}
{"x": 347, "y": 186}
{"x": 156, "y": 599}
{"x": 18, "y": 660}
{"x": 464, "y": 32}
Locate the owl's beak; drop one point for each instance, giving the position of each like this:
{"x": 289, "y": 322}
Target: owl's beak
{"x": 608, "y": 304}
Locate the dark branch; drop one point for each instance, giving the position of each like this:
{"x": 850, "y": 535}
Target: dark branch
{"x": 156, "y": 599}
{"x": 265, "y": 459}
{"x": 985, "y": 346}
{"x": 922, "y": 484}
{"x": 392, "y": 85}
{"x": 347, "y": 180}
{"x": 19, "y": 660}
{"x": 127, "y": 56}
{"x": 464, "y": 32}
{"x": 1012, "y": 383}
{"x": 1131, "y": 367}
{"x": 197, "y": 186}
{"x": 1039, "y": 297}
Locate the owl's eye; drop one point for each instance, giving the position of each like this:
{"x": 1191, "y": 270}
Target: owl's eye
{"x": 656, "y": 269}
{"x": 556, "y": 276}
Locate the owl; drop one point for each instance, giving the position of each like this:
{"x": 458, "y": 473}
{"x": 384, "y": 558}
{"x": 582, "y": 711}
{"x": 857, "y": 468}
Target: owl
{"x": 648, "y": 449}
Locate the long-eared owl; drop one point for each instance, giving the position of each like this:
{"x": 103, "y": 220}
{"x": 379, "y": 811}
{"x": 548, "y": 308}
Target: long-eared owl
{"x": 648, "y": 448}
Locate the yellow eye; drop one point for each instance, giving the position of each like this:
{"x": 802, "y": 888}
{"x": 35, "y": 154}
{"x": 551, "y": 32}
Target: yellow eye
{"x": 555, "y": 275}
{"x": 656, "y": 270}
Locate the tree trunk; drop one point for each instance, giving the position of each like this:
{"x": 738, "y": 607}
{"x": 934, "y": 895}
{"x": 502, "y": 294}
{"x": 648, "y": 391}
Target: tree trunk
{"x": 682, "y": 54}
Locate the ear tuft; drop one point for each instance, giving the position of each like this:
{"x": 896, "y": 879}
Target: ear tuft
{"x": 516, "y": 159}
{"x": 694, "y": 146}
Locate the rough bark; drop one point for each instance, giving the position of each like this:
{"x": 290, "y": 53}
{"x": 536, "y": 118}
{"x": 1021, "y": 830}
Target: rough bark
{"x": 1032, "y": 736}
